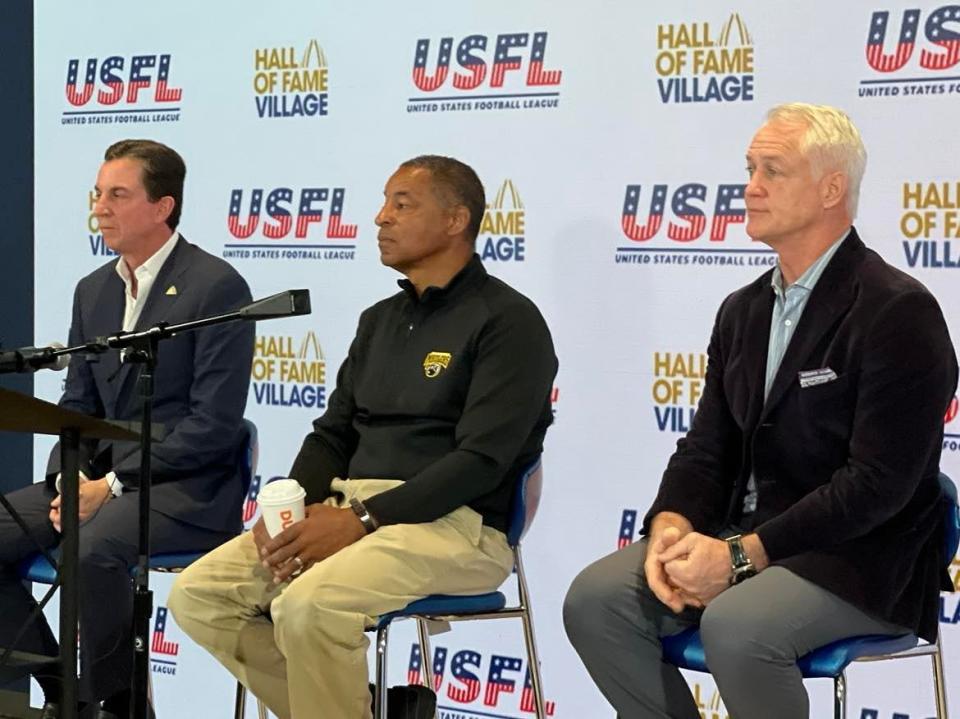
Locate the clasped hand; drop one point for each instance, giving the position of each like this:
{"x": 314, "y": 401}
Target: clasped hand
{"x": 323, "y": 532}
{"x": 688, "y": 570}
{"x": 94, "y": 493}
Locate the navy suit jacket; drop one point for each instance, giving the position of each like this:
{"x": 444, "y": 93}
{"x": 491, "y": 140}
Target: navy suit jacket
{"x": 847, "y": 471}
{"x": 200, "y": 386}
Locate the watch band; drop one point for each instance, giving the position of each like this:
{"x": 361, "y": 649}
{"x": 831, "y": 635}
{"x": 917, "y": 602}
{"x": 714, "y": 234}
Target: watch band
{"x": 740, "y": 564}
{"x": 366, "y": 519}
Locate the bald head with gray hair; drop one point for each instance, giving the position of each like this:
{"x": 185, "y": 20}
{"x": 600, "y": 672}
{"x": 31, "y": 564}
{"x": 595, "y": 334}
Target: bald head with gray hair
{"x": 830, "y": 141}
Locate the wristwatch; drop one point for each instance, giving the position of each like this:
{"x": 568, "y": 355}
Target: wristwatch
{"x": 741, "y": 566}
{"x": 368, "y": 522}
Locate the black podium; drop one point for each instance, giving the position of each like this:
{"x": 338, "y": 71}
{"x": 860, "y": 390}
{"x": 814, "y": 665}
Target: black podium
{"x": 20, "y": 413}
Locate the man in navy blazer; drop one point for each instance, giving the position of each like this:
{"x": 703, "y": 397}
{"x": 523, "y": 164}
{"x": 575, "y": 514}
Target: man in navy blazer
{"x": 200, "y": 390}
{"x": 803, "y": 506}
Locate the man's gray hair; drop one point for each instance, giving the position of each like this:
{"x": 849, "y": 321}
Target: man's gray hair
{"x": 831, "y": 142}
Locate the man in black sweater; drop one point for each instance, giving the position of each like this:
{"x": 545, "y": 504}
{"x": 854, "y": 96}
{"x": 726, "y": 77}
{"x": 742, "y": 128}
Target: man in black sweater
{"x": 442, "y": 400}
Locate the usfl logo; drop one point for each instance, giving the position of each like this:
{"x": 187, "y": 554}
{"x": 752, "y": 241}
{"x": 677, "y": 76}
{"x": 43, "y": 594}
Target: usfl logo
{"x": 250, "y": 505}
{"x": 951, "y": 431}
{"x": 503, "y": 228}
{"x": 897, "y": 68}
{"x": 163, "y": 652}
{"x": 695, "y": 66}
{"x": 288, "y": 83}
{"x": 464, "y": 686}
{"x": 506, "y": 72}
{"x": 289, "y": 372}
{"x": 686, "y": 238}
{"x": 628, "y": 528}
{"x": 121, "y": 89}
{"x": 929, "y": 223}
{"x": 263, "y": 219}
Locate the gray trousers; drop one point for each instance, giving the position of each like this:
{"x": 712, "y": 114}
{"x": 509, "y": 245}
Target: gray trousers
{"x": 752, "y": 635}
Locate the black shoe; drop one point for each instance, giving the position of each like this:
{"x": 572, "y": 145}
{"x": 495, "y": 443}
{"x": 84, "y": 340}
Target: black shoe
{"x": 50, "y": 711}
{"x": 413, "y": 701}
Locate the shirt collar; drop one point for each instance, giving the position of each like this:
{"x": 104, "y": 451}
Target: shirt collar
{"x": 471, "y": 273}
{"x": 152, "y": 266}
{"x": 808, "y": 280}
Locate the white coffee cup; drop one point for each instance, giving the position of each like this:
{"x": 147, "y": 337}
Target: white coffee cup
{"x": 281, "y": 504}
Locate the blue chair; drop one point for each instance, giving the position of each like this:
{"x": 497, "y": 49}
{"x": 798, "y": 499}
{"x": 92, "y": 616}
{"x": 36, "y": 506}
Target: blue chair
{"x": 493, "y": 605}
{"x": 37, "y": 568}
{"x": 685, "y": 650}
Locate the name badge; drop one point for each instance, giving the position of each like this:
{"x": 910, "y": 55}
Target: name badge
{"x": 814, "y": 377}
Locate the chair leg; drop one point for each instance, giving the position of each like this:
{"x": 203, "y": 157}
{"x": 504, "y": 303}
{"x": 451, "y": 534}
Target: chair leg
{"x": 939, "y": 682}
{"x": 533, "y": 657}
{"x": 426, "y": 657}
{"x": 380, "y": 695}
{"x": 840, "y": 696}
{"x": 240, "y": 702}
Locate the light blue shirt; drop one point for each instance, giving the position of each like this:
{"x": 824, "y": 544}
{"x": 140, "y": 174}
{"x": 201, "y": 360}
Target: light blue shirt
{"x": 788, "y": 305}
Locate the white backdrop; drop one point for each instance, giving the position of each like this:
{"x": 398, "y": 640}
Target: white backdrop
{"x": 610, "y": 139}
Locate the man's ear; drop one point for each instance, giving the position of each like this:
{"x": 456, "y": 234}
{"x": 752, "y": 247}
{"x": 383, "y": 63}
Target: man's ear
{"x": 459, "y": 220}
{"x": 833, "y": 189}
{"x": 164, "y": 207}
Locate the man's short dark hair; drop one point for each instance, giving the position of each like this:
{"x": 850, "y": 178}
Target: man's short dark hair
{"x": 163, "y": 171}
{"x": 455, "y": 183}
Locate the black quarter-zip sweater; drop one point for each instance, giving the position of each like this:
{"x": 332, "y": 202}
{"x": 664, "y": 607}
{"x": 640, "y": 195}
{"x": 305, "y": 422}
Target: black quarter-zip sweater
{"x": 448, "y": 391}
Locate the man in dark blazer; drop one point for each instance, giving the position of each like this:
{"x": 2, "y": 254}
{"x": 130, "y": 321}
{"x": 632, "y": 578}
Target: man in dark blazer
{"x": 200, "y": 390}
{"x": 804, "y": 505}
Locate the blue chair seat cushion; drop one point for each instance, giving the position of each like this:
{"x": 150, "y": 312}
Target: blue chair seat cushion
{"x": 686, "y": 651}
{"x": 36, "y": 568}
{"x": 441, "y": 604}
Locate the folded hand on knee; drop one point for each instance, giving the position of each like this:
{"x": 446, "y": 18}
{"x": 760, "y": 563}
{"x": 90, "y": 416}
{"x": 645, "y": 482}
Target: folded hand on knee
{"x": 323, "y": 532}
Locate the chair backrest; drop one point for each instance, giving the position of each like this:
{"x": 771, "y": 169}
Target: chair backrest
{"x": 952, "y": 520}
{"x": 251, "y": 455}
{"x": 526, "y": 499}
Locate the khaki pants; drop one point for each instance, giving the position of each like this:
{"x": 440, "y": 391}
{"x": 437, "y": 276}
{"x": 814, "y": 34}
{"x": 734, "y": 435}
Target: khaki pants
{"x": 311, "y": 659}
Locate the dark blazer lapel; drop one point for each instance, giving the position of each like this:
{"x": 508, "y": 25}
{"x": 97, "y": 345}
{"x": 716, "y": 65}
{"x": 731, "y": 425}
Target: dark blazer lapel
{"x": 108, "y": 316}
{"x": 756, "y": 341}
{"x": 829, "y": 301}
{"x": 159, "y": 304}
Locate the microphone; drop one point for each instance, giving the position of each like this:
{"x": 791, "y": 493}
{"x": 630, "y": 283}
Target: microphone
{"x": 283, "y": 304}
{"x": 30, "y": 359}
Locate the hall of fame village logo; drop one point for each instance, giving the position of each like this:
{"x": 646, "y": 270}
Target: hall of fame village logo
{"x": 929, "y": 222}
{"x": 898, "y": 69}
{"x": 506, "y": 72}
{"x": 678, "y": 379}
{"x": 950, "y": 603}
{"x": 262, "y": 219}
{"x": 163, "y": 651}
{"x": 691, "y": 236}
{"x": 473, "y": 685}
{"x": 288, "y": 83}
{"x": 98, "y": 247}
{"x": 120, "y": 90}
{"x": 503, "y": 228}
{"x": 695, "y": 66}
{"x": 289, "y": 371}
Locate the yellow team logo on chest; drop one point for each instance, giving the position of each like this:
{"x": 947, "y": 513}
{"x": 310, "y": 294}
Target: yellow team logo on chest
{"x": 434, "y": 363}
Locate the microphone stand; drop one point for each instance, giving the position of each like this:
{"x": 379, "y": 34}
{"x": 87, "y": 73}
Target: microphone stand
{"x": 142, "y": 349}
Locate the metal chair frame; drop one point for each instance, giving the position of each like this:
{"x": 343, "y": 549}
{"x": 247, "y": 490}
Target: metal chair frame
{"x": 37, "y": 569}
{"x": 685, "y": 650}
{"x": 442, "y": 608}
